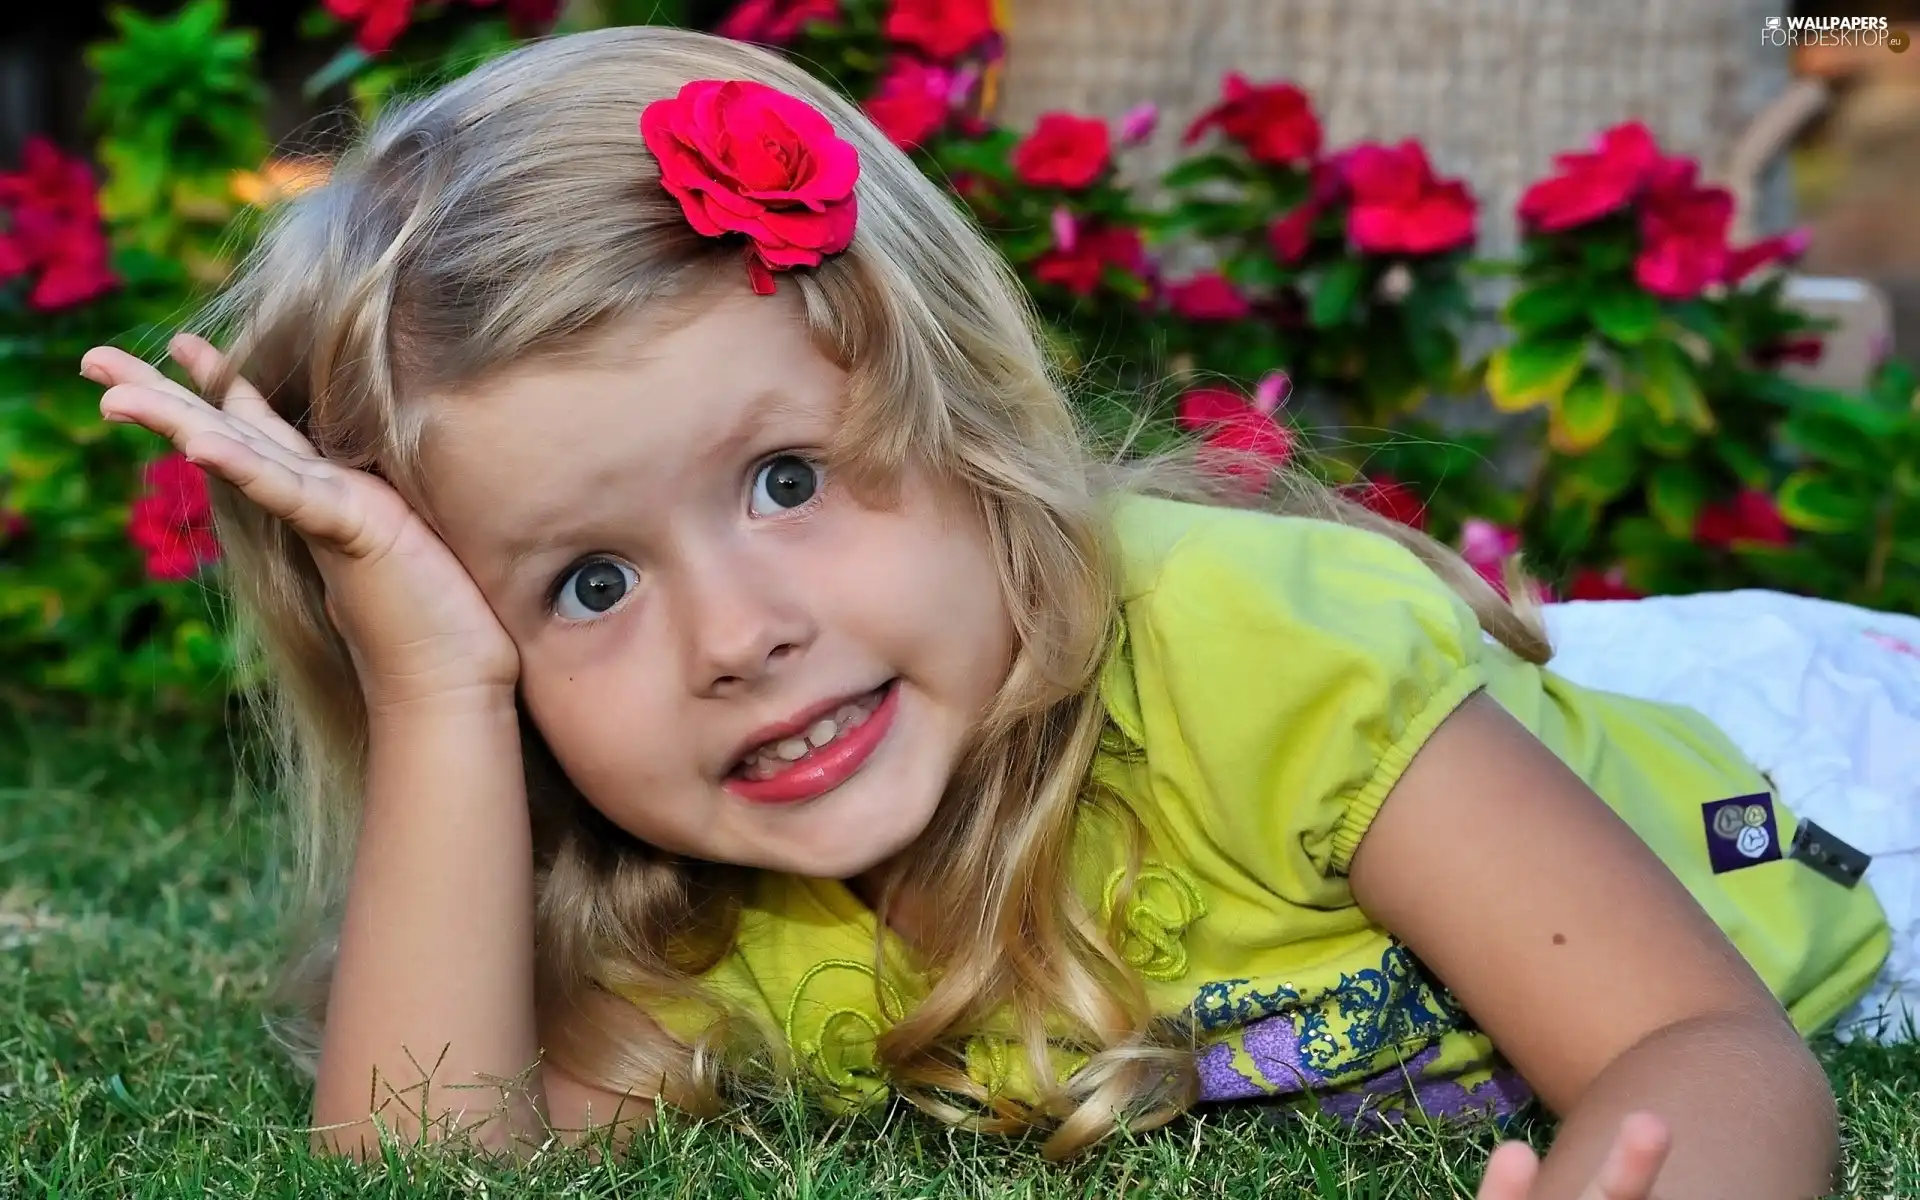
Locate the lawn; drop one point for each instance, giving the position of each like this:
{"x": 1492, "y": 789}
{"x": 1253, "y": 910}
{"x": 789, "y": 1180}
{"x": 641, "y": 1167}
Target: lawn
{"x": 136, "y": 941}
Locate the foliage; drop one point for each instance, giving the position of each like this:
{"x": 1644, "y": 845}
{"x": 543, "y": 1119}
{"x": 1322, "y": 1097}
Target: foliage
{"x": 1308, "y": 303}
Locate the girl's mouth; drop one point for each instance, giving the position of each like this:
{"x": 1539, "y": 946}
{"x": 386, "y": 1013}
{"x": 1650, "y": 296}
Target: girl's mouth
{"x": 809, "y": 764}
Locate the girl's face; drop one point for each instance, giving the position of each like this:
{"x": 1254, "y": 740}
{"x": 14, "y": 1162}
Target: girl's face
{"x": 732, "y": 656}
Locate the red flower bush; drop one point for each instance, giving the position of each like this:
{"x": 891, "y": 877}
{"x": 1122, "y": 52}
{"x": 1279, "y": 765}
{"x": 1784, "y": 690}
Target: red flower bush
{"x": 1750, "y": 518}
{"x": 912, "y": 102}
{"x": 1064, "y": 151}
{"x": 1275, "y": 123}
{"x": 1399, "y": 206}
{"x": 172, "y": 522}
{"x": 776, "y": 22}
{"x": 1208, "y": 297}
{"x": 53, "y": 229}
{"x": 941, "y": 29}
{"x": 744, "y": 158}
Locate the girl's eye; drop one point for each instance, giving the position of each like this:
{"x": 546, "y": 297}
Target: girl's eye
{"x": 593, "y": 588}
{"x": 783, "y": 482}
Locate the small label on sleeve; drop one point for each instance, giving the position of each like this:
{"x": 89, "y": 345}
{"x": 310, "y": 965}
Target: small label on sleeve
{"x": 1828, "y": 855}
{"x": 1741, "y": 832}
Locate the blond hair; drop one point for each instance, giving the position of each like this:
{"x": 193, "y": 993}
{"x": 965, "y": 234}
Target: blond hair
{"x": 515, "y": 214}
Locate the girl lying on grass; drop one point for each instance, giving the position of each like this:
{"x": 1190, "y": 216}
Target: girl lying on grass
{"x": 700, "y": 639}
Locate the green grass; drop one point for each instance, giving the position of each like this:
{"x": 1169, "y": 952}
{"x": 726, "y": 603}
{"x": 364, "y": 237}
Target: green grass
{"x": 136, "y": 941}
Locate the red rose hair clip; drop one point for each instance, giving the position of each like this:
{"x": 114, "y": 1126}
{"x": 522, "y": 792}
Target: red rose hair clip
{"x": 745, "y": 158}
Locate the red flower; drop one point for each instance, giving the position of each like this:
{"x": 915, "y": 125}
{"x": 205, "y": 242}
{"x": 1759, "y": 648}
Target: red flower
{"x": 1208, "y": 297}
{"x": 1063, "y": 151}
{"x": 55, "y": 231}
{"x": 1388, "y": 497}
{"x": 381, "y": 21}
{"x": 172, "y": 523}
{"x": 1239, "y": 439}
{"x": 1683, "y": 233}
{"x": 1785, "y": 247}
{"x": 1291, "y": 236}
{"x": 912, "y": 101}
{"x": 941, "y": 29}
{"x": 1749, "y": 518}
{"x": 742, "y": 157}
{"x": 1611, "y": 584}
{"x": 1079, "y": 268}
{"x": 776, "y": 22}
{"x": 1274, "y": 122}
{"x": 1399, "y": 206}
{"x": 1592, "y": 185}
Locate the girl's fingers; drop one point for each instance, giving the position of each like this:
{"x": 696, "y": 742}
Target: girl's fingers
{"x": 312, "y": 504}
{"x": 1639, "y": 1151}
{"x": 204, "y": 364}
{"x": 111, "y": 367}
{"x": 167, "y": 413}
{"x": 1510, "y": 1173}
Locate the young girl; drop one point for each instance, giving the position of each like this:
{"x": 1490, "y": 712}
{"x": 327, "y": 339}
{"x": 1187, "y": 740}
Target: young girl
{"x": 699, "y": 638}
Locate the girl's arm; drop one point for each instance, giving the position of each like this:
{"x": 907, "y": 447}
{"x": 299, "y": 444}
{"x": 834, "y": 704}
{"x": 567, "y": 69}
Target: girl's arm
{"x": 430, "y": 1019}
{"x": 1592, "y": 969}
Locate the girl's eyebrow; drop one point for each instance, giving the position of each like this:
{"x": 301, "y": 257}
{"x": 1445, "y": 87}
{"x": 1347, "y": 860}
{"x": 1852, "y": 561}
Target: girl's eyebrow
{"x": 764, "y": 411}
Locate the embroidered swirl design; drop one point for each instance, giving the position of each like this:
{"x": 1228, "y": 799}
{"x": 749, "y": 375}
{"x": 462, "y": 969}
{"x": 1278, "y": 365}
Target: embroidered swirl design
{"x": 838, "y": 1040}
{"x": 1164, "y": 902}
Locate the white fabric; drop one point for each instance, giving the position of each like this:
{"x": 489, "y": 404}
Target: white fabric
{"x": 1823, "y": 697}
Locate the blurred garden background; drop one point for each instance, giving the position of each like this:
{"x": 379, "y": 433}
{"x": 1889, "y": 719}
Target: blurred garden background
{"x": 1629, "y": 288}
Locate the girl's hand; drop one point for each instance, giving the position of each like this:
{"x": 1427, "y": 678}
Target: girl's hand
{"x": 415, "y": 622}
{"x": 1639, "y": 1151}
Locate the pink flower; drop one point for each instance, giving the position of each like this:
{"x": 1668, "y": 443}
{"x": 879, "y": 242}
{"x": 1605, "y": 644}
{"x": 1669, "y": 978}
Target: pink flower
{"x": 1781, "y": 248}
{"x": 172, "y": 522}
{"x": 1400, "y": 206}
{"x": 1138, "y": 123}
{"x": 1291, "y": 235}
{"x": 1066, "y": 230}
{"x": 381, "y": 22}
{"x": 1063, "y": 151}
{"x": 1592, "y": 185}
{"x": 56, "y": 233}
{"x": 912, "y": 102}
{"x": 776, "y": 22}
{"x": 1238, "y": 438}
{"x": 1486, "y": 547}
{"x": 1683, "y": 233}
{"x": 1272, "y": 391}
{"x": 1273, "y": 122}
{"x": 941, "y": 29}
{"x": 1208, "y": 297}
{"x": 745, "y": 158}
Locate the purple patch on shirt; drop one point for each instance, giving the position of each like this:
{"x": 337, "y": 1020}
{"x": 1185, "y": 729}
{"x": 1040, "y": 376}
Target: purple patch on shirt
{"x": 1274, "y": 1046}
{"x": 1741, "y": 832}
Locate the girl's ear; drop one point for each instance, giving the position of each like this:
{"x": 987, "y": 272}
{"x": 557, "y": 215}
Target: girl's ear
{"x": 333, "y": 618}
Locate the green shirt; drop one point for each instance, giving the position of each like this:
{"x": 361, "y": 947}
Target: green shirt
{"x": 1274, "y": 678}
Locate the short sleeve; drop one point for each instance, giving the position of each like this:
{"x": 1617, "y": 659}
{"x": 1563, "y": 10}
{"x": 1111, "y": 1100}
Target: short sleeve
{"x": 1280, "y": 674}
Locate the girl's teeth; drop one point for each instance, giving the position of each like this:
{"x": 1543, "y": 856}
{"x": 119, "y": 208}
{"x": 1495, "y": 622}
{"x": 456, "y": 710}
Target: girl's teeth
{"x": 792, "y": 750}
{"x": 821, "y": 733}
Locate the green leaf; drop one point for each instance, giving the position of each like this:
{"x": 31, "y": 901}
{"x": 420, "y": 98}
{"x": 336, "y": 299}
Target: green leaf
{"x": 1626, "y": 315}
{"x": 1546, "y": 308}
{"x": 1530, "y": 371}
{"x": 1206, "y": 168}
{"x": 347, "y": 62}
{"x": 1606, "y": 254}
{"x": 1668, "y": 384}
{"x": 1675, "y": 495}
{"x": 1838, "y": 439}
{"x": 1820, "y": 502}
{"x": 1336, "y": 294}
{"x": 1585, "y": 416}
